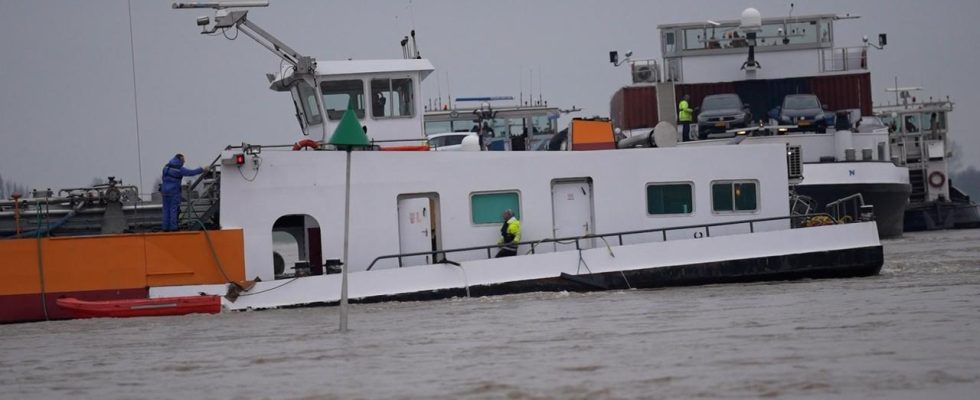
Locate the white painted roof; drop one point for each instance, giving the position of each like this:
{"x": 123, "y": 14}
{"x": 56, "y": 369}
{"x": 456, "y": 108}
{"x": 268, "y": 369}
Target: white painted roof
{"x": 351, "y": 67}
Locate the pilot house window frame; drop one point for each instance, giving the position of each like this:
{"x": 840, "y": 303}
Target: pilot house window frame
{"x": 307, "y": 99}
{"x": 670, "y": 199}
{"x": 392, "y": 97}
{"x": 735, "y": 196}
{"x": 333, "y": 89}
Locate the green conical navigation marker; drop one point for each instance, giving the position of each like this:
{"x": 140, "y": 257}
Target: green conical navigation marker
{"x": 349, "y": 132}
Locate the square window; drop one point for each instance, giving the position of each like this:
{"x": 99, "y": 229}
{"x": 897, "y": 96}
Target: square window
{"x": 338, "y": 96}
{"x": 734, "y": 196}
{"x": 391, "y": 98}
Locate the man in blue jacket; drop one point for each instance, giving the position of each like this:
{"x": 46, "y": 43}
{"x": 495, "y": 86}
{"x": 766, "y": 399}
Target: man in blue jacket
{"x": 173, "y": 173}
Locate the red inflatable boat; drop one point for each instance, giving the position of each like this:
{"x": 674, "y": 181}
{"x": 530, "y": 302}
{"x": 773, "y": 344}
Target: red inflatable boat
{"x": 142, "y": 307}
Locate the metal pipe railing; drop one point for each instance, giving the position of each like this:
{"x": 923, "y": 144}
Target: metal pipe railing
{"x": 603, "y": 236}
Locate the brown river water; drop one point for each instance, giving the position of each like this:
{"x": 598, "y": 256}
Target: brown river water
{"x": 911, "y": 333}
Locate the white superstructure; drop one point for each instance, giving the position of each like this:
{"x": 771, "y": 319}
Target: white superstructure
{"x": 424, "y": 224}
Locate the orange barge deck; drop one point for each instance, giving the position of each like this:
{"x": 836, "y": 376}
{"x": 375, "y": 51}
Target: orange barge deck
{"x": 109, "y": 267}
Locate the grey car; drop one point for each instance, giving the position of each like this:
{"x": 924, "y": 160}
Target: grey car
{"x": 804, "y": 111}
{"x": 721, "y": 112}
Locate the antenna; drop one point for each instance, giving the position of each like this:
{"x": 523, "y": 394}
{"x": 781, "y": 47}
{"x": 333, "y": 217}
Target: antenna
{"x": 438, "y": 92}
{"x": 520, "y": 80}
{"x": 540, "y": 96}
{"x": 404, "y": 44}
{"x": 449, "y": 90}
{"x": 530, "y": 90}
{"x": 415, "y": 47}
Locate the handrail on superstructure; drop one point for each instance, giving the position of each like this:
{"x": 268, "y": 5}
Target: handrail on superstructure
{"x": 204, "y": 174}
{"x": 576, "y": 239}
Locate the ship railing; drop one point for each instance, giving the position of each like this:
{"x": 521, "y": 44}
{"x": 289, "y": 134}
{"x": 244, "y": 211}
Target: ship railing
{"x": 843, "y": 59}
{"x": 796, "y": 221}
{"x": 846, "y": 207}
{"x": 202, "y": 206}
{"x": 201, "y": 177}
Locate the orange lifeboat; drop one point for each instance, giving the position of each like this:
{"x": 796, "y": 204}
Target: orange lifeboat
{"x": 141, "y": 307}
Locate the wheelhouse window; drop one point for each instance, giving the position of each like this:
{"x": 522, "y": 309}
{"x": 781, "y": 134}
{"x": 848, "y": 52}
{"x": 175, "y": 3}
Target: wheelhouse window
{"x": 911, "y": 123}
{"x": 486, "y": 207}
{"x": 391, "y": 98}
{"x": 670, "y": 198}
{"x": 432, "y": 127}
{"x": 736, "y": 196}
{"x": 934, "y": 121}
{"x": 670, "y": 45}
{"x": 307, "y": 97}
{"x": 338, "y": 96}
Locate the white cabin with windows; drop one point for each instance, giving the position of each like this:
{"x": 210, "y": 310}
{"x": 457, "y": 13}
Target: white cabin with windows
{"x": 382, "y": 93}
{"x": 404, "y": 202}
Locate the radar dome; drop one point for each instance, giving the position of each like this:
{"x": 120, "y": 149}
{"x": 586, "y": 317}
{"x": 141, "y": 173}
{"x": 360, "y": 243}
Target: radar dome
{"x": 470, "y": 142}
{"x": 751, "y": 20}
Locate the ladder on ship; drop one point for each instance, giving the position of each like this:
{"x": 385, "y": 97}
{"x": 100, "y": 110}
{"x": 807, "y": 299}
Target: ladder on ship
{"x": 917, "y": 178}
{"x": 202, "y": 199}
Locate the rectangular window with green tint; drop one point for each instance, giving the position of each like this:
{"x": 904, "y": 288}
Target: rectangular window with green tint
{"x": 734, "y": 196}
{"x": 745, "y": 198}
{"x": 721, "y": 197}
{"x": 487, "y": 207}
{"x": 673, "y": 198}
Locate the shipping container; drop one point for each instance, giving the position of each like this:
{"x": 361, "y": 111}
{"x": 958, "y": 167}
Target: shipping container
{"x": 634, "y": 107}
{"x": 841, "y": 92}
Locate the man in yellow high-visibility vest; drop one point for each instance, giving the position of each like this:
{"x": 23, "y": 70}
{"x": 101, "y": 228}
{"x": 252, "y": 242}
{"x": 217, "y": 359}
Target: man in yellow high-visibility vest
{"x": 510, "y": 235}
{"x": 685, "y": 115}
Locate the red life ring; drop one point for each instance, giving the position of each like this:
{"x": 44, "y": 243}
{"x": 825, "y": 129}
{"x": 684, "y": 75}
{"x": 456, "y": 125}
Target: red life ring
{"x": 936, "y": 179}
{"x": 306, "y": 143}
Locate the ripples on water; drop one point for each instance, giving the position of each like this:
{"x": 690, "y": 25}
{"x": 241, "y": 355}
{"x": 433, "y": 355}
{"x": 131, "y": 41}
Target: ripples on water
{"x": 909, "y": 333}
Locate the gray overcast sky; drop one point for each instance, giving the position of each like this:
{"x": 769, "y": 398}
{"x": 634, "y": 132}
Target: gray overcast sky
{"x": 66, "y": 86}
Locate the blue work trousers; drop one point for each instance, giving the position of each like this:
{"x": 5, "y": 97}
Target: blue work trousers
{"x": 171, "y": 207}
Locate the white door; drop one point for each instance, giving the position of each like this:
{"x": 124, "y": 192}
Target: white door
{"x": 415, "y": 229}
{"x": 571, "y": 203}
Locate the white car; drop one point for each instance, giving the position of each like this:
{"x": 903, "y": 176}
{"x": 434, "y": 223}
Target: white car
{"x": 450, "y": 141}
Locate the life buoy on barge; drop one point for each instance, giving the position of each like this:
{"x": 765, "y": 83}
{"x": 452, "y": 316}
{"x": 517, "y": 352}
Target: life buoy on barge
{"x": 306, "y": 143}
{"x": 937, "y": 179}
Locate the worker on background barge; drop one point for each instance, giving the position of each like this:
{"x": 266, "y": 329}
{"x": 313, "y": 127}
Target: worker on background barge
{"x": 173, "y": 173}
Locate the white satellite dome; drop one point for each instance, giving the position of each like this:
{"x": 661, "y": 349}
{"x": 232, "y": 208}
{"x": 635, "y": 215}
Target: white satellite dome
{"x": 751, "y": 20}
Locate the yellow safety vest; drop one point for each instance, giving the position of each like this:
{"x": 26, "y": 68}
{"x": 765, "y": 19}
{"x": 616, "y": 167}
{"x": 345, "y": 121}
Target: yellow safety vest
{"x": 684, "y": 112}
{"x": 513, "y": 229}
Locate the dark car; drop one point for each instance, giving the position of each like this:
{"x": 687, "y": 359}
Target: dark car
{"x": 804, "y": 111}
{"x": 721, "y": 112}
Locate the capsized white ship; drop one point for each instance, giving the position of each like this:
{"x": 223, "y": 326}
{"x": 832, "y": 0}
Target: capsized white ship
{"x": 423, "y": 225}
